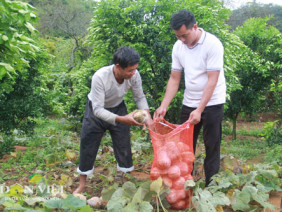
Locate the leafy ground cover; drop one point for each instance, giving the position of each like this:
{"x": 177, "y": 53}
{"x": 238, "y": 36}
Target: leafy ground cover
{"x": 51, "y": 156}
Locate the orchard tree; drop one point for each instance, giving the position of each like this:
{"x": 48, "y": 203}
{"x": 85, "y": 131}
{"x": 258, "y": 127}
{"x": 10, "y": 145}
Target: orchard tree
{"x": 17, "y": 45}
{"x": 253, "y": 73}
{"x": 22, "y": 62}
{"x": 256, "y": 10}
{"x": 145, "y": 26}
{"x": 266, "y": 41}
{"x": 65, "y": 18}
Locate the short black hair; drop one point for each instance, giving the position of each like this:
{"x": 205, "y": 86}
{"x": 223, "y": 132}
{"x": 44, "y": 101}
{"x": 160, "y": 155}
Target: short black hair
{"x": 182, "y": 17}
{"x": 126, "y": 56}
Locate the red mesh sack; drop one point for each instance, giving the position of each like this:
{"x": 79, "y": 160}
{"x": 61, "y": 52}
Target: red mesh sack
{"x": 173, "y": 160}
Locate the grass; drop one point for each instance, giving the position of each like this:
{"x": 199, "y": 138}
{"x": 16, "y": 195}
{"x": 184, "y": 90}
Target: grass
{"x": 250, "y": 145}
{"x": 47, "y": 148}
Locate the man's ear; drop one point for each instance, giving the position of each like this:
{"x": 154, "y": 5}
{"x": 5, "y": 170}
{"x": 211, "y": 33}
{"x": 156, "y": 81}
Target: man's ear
{"x": 118, "y": 66}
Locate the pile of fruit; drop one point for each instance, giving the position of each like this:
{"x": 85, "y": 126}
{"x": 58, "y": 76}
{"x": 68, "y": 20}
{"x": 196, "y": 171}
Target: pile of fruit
{"x": 173, "y": 162}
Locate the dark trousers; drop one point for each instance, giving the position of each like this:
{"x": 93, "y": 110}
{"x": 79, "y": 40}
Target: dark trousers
{"x": 92, "y": 132}
{"x": 211, "y": 120}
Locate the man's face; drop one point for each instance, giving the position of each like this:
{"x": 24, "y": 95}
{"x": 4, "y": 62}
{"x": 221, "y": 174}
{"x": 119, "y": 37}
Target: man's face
{"x": 128, "y": 72}
{"x": 187, "y": 36}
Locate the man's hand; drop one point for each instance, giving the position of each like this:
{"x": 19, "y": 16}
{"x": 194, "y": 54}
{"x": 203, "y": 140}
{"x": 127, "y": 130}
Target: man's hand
{"x": 195, "y": 117}
{"x": 159, "y": 114}
{"x": 128, "y": 119}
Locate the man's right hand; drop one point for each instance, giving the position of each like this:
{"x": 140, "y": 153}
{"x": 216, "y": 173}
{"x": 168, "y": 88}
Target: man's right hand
{"x": 128, "y": 119}
{"x": 159, "y": 114}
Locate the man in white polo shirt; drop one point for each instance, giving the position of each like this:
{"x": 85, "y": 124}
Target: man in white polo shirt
{"x": 106, "y": 110}
{"x": 200, "y": 55}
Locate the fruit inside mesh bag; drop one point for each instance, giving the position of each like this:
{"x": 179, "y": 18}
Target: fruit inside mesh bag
{"x": 173, "y": 160}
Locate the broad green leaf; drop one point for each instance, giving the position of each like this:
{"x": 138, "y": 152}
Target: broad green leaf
{"x": 156, "y": 185}
{"x": 241, "y": 200}
{"x": 129, "y": 189}
{"x": 16, "y": 208}
{"x": 202, "y": 201}
{"x": 33, "y": 200}
{"x": 115, "y": 206}
{"x": 54, "y": 203}
{"x": 73, "y": 202}
{"x": 139, "y": 195}
{"x": 86, "y": 208}
{"x": 138, "y": 207}
{"x": 117, "y": 201}
{"x": 131, "y": 207}
{"x": 146, "y": 207}
{"x": 11, "y": 203}
{"x": 189, "y": 184}
{"x": 219, "y": 198}
{"x": 107, "y": 193}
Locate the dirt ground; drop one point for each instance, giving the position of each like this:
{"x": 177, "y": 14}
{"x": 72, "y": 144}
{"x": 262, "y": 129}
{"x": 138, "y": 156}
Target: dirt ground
{"x": 95, "y": 184}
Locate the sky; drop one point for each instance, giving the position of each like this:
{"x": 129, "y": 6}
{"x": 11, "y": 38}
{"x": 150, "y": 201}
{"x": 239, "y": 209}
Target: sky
{"x": 238, "y": 3}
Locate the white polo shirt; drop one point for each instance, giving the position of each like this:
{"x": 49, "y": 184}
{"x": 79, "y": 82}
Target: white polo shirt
{"x": 206, "y": 55}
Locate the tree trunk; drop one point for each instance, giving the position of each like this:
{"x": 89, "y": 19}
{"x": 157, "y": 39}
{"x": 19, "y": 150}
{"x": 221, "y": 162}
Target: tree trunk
{"x": 234, "y": 122}
{"x": 73, "y": 54}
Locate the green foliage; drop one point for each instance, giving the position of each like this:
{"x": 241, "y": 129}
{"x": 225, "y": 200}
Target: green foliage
{"x": 17, "y": 45}
{"x": 274, "y": 154}
{"x": 63, "y": 18}
{"x": 256, "y": 10}
{"x": 132, "y": 198}
{"x": 258, "y": 68}
{"x": 71, "y": 203}
{"x": 144, "y": 25}
{"x": 272, "y": 132}
{"x": 22, "y": 88}
{"x": 243, "y": 192}
{"x": 254, "y": 75}
{"x": 6, "y": 145}
{"x": 266, "y": 41}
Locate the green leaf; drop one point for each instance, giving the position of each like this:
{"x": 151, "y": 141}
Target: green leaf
{"x": 117, "y": 201}
{"x": 189, "y": 184}
{"x": 73, "y": 202}
{"x": 202, "y": 201}
{"x": 107, "y": 193}
{"x": 115, "y": 206}
{"x": 129, "y": 189}
{"x": 3, "y": 72}
{"x": 86, "y": 208}
{"x": 32, "y": 15}
{"x": 146, "y": 207}
{"x": 156, "y": 185}
{"x": 54, "y": 204}
{"x": 33, "y": 200}
{"x": 30, "y": 27}
{"x": 139, "y": 195}
{"x": 131, "y": 207}
{"x": 220, "y": 198}
{"x": 5, "y": 38}
{"x": 138, "y": 207}
{"x": 7, "y": 66}
{"x": 241, "y": 200}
